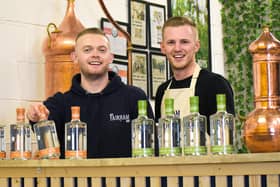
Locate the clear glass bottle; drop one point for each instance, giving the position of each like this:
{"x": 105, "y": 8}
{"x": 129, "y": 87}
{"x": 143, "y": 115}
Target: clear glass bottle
{"x": 194, "y": 130}
{"x": 2, "y": 143}
{"x": 221, "y": 128}
{"x": 75, "y": 136}
{"x": 169, "y": 131}
{"x": 20, "y": 137}
{"x": 46, "y": 136}
{"x": 142, "y": 131}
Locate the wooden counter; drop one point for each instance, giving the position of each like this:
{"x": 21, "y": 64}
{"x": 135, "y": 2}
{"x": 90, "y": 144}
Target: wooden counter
{"x": 259, "y": 168}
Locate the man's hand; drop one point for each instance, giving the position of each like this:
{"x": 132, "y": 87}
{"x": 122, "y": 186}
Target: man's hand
{"x": 36, "y": 111}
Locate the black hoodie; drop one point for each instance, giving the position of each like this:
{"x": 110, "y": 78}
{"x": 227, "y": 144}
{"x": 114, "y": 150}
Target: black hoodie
{"x": 108, "y": 115}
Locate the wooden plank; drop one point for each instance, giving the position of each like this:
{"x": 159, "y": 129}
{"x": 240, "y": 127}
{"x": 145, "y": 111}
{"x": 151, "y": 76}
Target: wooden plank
{"x": 221, "y": 181}
{"x": 42, "y": 182}
{"x": 188, "y": 181}
{"x": 155, "y": 181}
{"x": 96, "y": 182}
{"x": 82, "y": 182}
{"x": 125, "y": 182}
{"x": 111, "y": 182}
{"x": 255, "y": 180}
{"x": 55, "y": 182}
{"x": 172, "y": 181}
{"x": 69, "y": 181}
{"x": 29, "y": 182}
{"x": 140, "y": 181}
{"x": 272, "y": 181}
{"x": 238, "y": 180}
{"x": 16, "y": 182}
{"x": 4, "y": 182}
{"x": 204, "y": 181}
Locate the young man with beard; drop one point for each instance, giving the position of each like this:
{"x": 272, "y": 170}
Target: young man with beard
{"x": 107, "y": 105}
{"x": 180, "y": 43}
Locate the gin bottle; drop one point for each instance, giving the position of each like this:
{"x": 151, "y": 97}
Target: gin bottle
{"x": 20, "y": 137}
{"x": 2, "y": 143}
{"x": 75, "y": 136}
{"x": 142, "y": 131}
{"x": 169, "y": 131}
{"x": 221, "y": 128}
{"x": 194, "y": 130}
{"x": 47, "y": 141}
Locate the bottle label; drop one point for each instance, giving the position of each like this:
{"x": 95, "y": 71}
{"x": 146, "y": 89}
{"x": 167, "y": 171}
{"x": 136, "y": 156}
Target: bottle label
{"x": 49, "y": 153}
{"x": 169, "y": 151}
{"x": 195, "y": 150}
{"x": 20, "y": 155}
{"x": 2, "y": 155}
{"x": 143, "y": 152}
{"x": 227, "y": 149}
{"x": 76, "y": 154}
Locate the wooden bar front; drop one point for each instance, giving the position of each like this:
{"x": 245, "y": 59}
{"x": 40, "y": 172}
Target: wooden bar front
{"x": 253, "y": 170}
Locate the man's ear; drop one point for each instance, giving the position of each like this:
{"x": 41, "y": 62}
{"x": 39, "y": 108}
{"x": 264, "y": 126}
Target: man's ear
{"x": 74, "y": 57}
{"x": 162, "y": 49}
{"x": 197, "y": 45}
{"x": 112, "y": 58}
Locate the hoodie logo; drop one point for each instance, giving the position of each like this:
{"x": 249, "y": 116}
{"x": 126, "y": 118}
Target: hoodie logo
{"x": 119, "y": 117}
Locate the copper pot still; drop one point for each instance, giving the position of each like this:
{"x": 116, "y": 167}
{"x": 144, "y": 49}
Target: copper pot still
{"x": 262, "y": 125}
{"x": 57, "y": 48}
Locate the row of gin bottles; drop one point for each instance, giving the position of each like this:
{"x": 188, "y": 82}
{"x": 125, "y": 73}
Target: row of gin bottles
{"x": 175, "y": 138}
{"x": 186, "y": 137}
{"x": 48, "y": 146}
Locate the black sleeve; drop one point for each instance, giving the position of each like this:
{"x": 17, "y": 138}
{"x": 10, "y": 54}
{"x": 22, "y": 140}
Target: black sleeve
{"x": 158, "y": 100}
{"x": 207, "y": 87}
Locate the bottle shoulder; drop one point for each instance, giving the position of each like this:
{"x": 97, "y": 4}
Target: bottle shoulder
{"x": 142, "y": 119}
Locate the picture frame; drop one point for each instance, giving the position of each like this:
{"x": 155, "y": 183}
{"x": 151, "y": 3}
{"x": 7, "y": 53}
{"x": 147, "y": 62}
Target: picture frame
{"x": 156, "y": 19}
{"x": 120, "y": 68}
{"x": 158, "y": 71}
{"x": 117, "y": 39}
{"x": 202, "y": 21}
{"x": 137, "y": 18}
{"x": 140, "y": 70}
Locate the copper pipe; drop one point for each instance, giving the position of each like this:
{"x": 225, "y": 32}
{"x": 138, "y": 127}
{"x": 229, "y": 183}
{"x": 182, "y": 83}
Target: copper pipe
{"x": 126, "y": 34}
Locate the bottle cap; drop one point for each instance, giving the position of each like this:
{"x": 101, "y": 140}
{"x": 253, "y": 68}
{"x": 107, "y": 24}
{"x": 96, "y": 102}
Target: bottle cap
{"x": 194, "y": 104}
{"x": 221, "y": 102}
{"x": 75, "y": 110}
{"x": 20, "y": 114}
{"x": 169, "y": 106}
{"x": 142, "y": 107}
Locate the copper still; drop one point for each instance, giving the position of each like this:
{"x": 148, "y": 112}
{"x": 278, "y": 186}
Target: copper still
{"x": 57, "y": 47}
{"x": 262, "y": 125}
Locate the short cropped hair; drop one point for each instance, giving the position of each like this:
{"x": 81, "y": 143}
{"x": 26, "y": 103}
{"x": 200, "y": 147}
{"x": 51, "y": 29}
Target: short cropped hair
{"x": 177, "y": 21}
{"x": 92, "y": 30}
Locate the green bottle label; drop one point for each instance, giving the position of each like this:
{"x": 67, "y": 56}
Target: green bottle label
{"x": 167, "y": 151}
{"x": 227, "y": 149}
{"x": 195, "y": 149}
{"x": 143, "y": 152}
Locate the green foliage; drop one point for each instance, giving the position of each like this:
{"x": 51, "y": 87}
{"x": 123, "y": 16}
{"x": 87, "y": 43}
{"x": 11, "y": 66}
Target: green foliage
{"x": 242, "y": 24}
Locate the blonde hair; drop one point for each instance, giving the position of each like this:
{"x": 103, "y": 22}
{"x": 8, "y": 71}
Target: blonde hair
{"x": 177, "y": 21}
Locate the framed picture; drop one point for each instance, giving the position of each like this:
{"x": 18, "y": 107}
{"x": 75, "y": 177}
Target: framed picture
{"x": 199, "y": 12}
{"x": 140, "y": 70}
{"x": 120, "y": 68}
{"x": 159, "y": 71}
{"x": 117, "y": 39}
{"x": 156, "y": 20}
{"x": 137, "y": 11}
